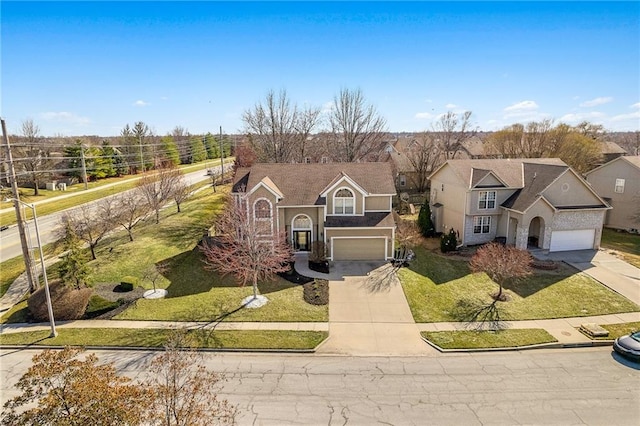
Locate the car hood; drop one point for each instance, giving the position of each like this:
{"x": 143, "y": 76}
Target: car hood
{"x": 629, "y": 343}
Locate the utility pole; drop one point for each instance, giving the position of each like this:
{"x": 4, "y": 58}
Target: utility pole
{"x": 28, "y": 263}
{"x": 84, "y": 168}
{"x": 221, "y": 158}
{"x": 141, "y": 156}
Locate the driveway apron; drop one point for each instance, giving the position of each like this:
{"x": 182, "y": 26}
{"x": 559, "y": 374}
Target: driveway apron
{"x": 369, "y": 314}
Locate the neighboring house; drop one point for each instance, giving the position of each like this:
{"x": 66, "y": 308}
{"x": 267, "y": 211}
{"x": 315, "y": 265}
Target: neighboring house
{"x": 345, "y": 205}
{"x": 610, "y": 151}
{"x": 618, "y": 183}
{"x": 539, "y": 203}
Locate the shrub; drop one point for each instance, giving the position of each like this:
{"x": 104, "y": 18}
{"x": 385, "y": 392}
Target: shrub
{"x": 424, "y": 220}
{"x": 449, "y": 241}
{"x": 318, "y": 252}
{"x": 316, "y": 292}
{"x": 67, "y": 303}
{"x": 127, "y": 283}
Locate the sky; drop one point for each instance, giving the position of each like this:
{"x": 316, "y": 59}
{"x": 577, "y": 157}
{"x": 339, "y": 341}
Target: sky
{"x": 89, "y": 68}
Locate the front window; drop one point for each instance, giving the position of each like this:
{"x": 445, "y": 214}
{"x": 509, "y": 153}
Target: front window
{"x": 262, "y": 209}
{"x": 619, "y": 186}
{"x": 402, "y": 179}
{"x": 343, "y": 202}
{"x": 487, "y": 200}
{"x": 481, "y": 224}
{"x": 307, "y": 160}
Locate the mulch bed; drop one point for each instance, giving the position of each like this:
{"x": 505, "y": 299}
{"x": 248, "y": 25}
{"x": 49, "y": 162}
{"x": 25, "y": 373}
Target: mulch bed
{"x": 316, "y": 292}
{"x": 111, "y": 292}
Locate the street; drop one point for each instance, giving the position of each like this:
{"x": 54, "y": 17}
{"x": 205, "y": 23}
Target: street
{"x": 10, "y": 239}
{"x": 562, "y": 387}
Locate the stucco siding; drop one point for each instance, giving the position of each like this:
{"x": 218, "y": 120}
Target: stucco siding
{"x": 569, "y": 190}
{"x": 358, "y": 197}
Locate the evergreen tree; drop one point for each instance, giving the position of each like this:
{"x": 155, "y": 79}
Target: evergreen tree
{"x": 107, "y": 164}
{"x": 449, "y": 241}
{"x": 198, "y": 151}
{"x": 170, "y": 150}
{"x": 211, "y": 145}
{"x": 73, "y": 269}
{"x": 424, "y": 220}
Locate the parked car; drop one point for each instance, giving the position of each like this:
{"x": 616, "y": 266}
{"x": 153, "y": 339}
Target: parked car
{"x": 628, "y": 345}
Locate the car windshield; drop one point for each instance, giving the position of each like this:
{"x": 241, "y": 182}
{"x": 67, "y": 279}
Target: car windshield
{"x": 636, "y": 336}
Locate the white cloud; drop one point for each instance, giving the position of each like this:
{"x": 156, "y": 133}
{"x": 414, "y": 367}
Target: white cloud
{"x": 636, "y": 105}
{"x": 65, "y": 117}
{"x": 525, "y": 110}
{"x": 423, "y": 115}
{"x": 596, "y": 101}
{"x": 140, "y": 103}
{"x": 451, "y": 106}
{"x": 522, "y": 106}
{"x": 630, "y": 116}
{"x": 579, "y": 117}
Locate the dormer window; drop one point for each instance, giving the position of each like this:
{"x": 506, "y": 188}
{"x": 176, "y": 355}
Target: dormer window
{"x": 262, "y": 209}
{"x": 343, "y": 202}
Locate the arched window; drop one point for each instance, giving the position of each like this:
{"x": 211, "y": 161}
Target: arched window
{"x": 262, "y": 209}
{"x": 343, "y": 201}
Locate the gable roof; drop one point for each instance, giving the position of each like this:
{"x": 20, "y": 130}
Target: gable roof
{"x": 302, "y": 184}
{"x": 509, "y": 171}
{"x": 634, "y": 160}
{"x": 537, "y": 178}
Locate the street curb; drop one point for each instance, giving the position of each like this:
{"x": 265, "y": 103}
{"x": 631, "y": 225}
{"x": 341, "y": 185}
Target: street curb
{"x": 158, "y": 349}
{"x": 551, "y": 345}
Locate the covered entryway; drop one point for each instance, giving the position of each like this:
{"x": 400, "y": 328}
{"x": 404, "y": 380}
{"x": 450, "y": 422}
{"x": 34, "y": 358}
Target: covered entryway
{"x": 581, "y": 239}
{"x": 536, "y": 233}
{"x": 364, "y": 248}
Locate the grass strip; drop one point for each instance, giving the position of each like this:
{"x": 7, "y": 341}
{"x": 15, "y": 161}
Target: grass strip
{"x": 485, "y": 339}
{"x": 151, "y": 338}
{"x": 617, "y": 330}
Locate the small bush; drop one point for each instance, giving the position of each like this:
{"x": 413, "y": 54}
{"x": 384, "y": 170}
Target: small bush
{"x": 316, "y": 292}
{"x": 318, "y": 252}
{"x": 449, "y": 241}
{"x": 127, "y": 283}
{"x": 67, "y": 303}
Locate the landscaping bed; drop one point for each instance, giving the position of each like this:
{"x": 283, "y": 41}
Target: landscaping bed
{"x": 317, "y": 292}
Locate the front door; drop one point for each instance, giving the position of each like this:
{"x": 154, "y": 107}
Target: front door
{"x": 302, "y": 240}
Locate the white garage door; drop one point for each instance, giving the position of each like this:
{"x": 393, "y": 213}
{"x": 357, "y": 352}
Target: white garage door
{"x": 581, "y": 239}
{"x": 358, "y": 248}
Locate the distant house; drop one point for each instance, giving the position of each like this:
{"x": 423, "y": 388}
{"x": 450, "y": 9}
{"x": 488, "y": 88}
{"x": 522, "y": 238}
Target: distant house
{"x": 618, "y": 183}
{"x": 611, "y": 150}
{"x": 345, "y": 205}
{"x": 539, "y": 203}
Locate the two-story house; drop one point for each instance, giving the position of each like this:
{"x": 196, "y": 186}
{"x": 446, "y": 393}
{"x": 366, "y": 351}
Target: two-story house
{"x": 345, "y": 205}
{"x": 538, "y": 203}
{"x": 618, "y": 183}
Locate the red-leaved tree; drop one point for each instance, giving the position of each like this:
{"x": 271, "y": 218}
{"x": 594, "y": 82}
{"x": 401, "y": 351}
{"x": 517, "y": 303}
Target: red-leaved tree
{"x": 246, "y": 247}
{"x": 502, "y": 264}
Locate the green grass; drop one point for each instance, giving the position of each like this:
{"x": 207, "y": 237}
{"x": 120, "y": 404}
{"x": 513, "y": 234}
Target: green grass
{"x": 510, "y": 338}
{"x": 219, "y": 339}
{"x": 9, "y": 271}
{"x": 439, "y": 289}
{"x": 628, "y": 245}
{"x": 80, "y": 197}
{"x": 617, "y": 330}
{"x": 194, "y": 293}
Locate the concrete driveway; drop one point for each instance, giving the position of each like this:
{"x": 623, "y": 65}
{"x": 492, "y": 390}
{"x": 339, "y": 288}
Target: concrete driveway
{"x": 614, "y": 273}
{"x": 369, "y": 314}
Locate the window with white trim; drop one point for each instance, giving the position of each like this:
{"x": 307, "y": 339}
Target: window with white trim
{"x": 262, "y": 209}
{"x": 481, "y": 224}
{"x": 344, "y": 201}
{"x": 402, "y": 179}
{"x": 486, "y": 200}
{"x": 619, "y": 188}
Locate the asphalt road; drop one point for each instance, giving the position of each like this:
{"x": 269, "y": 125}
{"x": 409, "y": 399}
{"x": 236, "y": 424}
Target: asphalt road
{"x": 586, "y": 386}
{"x": 10, "y": 239}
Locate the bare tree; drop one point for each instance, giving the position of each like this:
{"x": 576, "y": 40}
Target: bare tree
{"x": 181, "y": 190}
{"x": 158, "y": 188}
{"x": 131, "y": 208}
{"x": 423, "y": 157}
{"x": 277, "y": 129}
{"x": 33, "y": 155}
{"x": 185, "y": 389}
{"x": 357, "y": 128}
{"x": 452, "y": 129}
{"x": 502, "y": 264}
{"x": 90, "y": 224}
{"x": 246, "y": 247}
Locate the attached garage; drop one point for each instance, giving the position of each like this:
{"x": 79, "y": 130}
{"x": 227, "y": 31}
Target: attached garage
{"x": 581, "y": 239}
{"x": 364, "y": 248}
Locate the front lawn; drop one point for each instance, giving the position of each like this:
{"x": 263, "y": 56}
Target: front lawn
{"x": 627, "y": 245}
{"x": 219, "y": 339}
{"x": 467, "y": 339}
{"x": 440, "y": 289}
{"x": 617, "y": 330}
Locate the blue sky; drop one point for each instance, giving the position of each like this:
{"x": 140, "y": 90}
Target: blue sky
{"x": 90, "y": 67}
